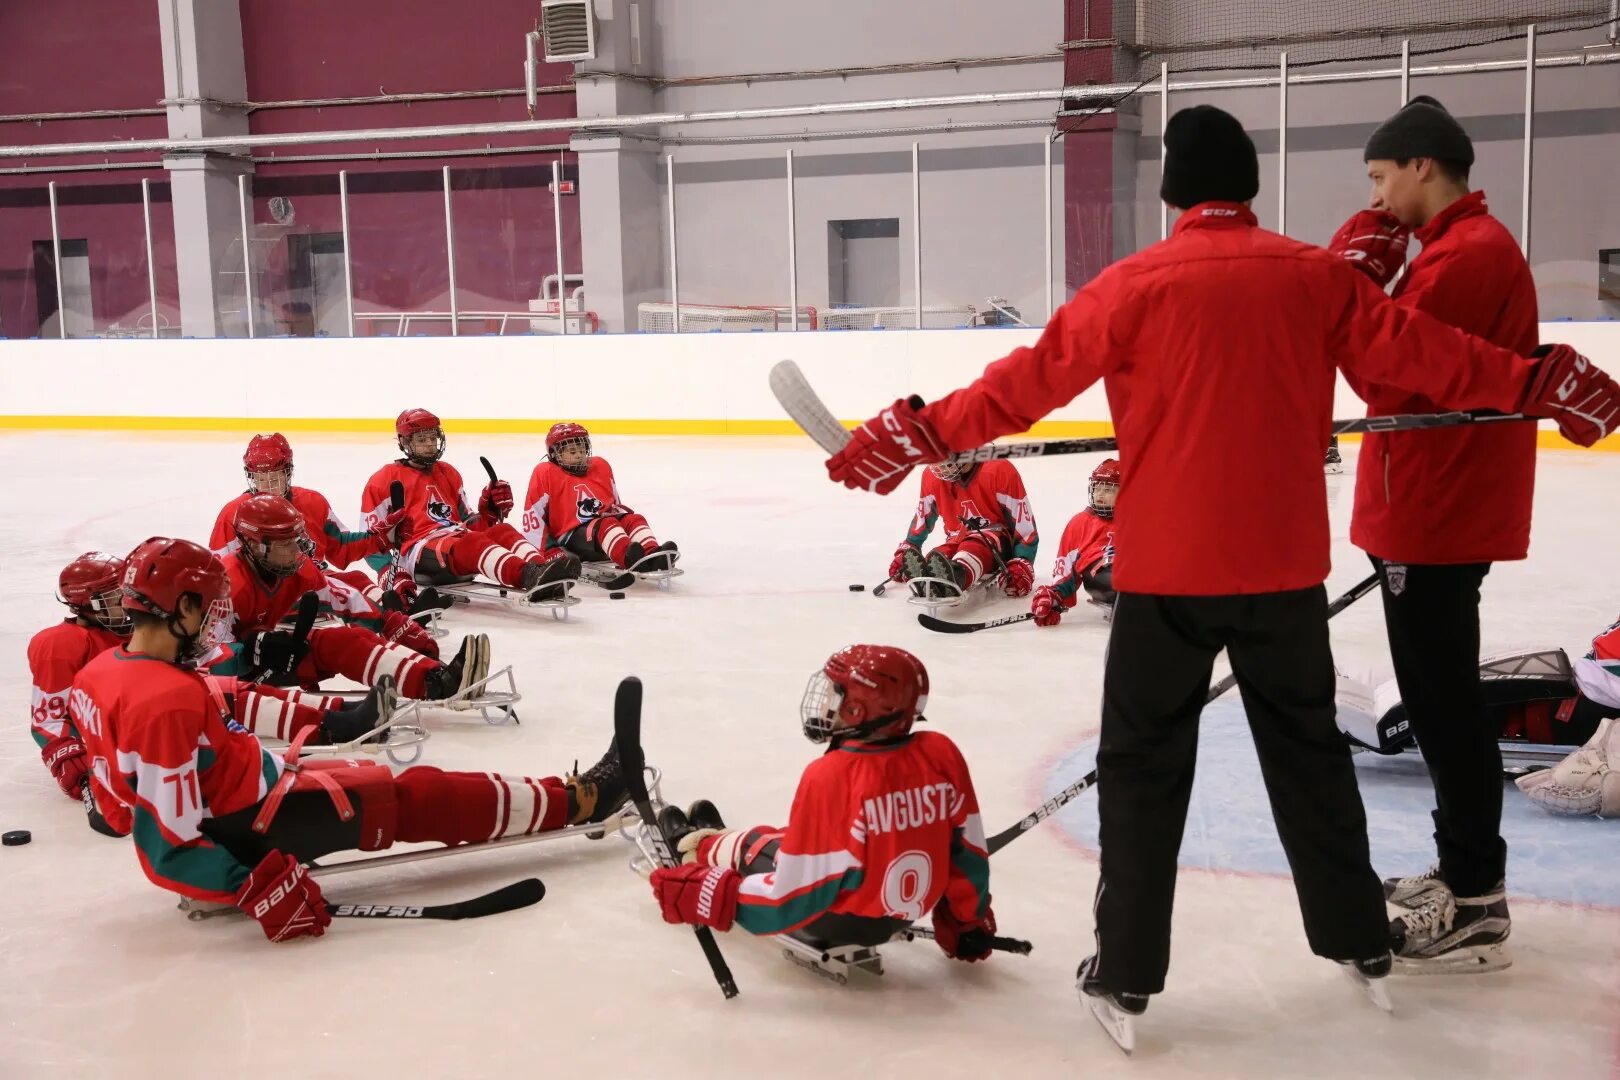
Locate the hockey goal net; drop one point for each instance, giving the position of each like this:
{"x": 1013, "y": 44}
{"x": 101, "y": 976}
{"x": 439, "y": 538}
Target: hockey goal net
{"x": 702, "y": 318}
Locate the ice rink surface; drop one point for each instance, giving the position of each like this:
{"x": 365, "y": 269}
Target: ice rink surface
{"x": 101, "y": 977}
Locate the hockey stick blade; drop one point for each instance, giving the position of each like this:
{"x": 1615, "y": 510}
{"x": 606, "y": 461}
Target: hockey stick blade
{"x": 943, "y": 627}
{"x": 879, "y": 590}
{"x": 793, "y": 393}
{"x": 997, "y": 944}
{"x": 519, "y": 894}
{"x": 633, "y": 764}
{"x": 1068, "y": 794}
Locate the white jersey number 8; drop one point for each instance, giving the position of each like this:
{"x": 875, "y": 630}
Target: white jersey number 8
{"x": 906, "y": 884}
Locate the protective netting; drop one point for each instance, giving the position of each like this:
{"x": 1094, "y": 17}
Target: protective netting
{"x": 1223, "y": 35}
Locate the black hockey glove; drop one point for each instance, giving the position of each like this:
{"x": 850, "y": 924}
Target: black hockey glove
{"x": 274, "y": 655}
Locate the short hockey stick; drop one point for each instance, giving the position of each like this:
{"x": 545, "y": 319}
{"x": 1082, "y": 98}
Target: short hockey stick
{"x": 943, "y": 627}
{"x": 1068, "y": 794}
{"x": 632, "y": 763}
{"x": 997, "y": 944}
{"x": 519, "y": 894}
{"x": 490, "y": 469}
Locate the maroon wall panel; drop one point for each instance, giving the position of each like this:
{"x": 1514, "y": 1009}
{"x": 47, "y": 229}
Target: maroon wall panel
{"x": 1088, "y": 158}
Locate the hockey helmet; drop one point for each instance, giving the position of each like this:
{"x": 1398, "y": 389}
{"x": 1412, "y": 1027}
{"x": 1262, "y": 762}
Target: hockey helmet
{"x": 267, "y": 455}
{"x": 272, "y": 534}
{"x": 1103, "y": 490}
{"x": 567, "y": 436}
{"x": 864, "y": 692}
{"x": 413, "y": 422}
{"x": 91, "y": 586}
{"x": 160, "y": 572}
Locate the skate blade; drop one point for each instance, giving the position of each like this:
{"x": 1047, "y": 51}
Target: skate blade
{"x": 1471, "y": 960}
{"x": 1376, "y": 991}
{"x": 1119, "y": 1025}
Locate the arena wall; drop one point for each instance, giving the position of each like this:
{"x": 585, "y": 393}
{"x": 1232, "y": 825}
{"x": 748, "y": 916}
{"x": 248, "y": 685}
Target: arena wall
{"x": 666, "y": 384}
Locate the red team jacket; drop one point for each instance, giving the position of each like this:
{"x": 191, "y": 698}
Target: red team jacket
{"x": 876, "y": 831}
{"x": 1217, "y": 348}
{"x": 559, "y": 502}
{"x": 993, "y": 499}
{"x": 1088, "y": 542}
{"x": 1457, "y": 495}
{"x": 335, "y": 545}
{"x": 55, "y": 655}
{"x": 163, "y": 751}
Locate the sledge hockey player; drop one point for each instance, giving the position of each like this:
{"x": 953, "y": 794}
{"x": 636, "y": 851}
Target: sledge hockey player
{"x": 271, "y": 571}
{"x": 988, "y": 527}
{"x": 1263, "y": 320}
{"x": 573, "y": 504}
{"x": 268, "y": 465}
{"x": 884, "y": 828}
{"x": 217, "y": 817}
{"x": 1086, "y": 553}
{"x": 90, "y": 587}
{"x": 440, "y": 538}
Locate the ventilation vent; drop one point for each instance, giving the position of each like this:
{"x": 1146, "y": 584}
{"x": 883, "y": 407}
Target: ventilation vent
{"x": 570, "y": 30}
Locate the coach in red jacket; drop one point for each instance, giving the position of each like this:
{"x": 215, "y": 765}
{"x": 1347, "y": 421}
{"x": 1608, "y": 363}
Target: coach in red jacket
{"x": 1435, "y": 511}
{"x": 1217, "y": 348}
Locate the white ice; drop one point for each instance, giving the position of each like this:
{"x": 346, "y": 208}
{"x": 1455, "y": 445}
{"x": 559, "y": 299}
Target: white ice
{"x": 102, "y": 977}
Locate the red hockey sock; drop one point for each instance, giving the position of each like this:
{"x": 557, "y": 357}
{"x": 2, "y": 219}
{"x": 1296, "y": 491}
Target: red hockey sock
{"x": 640, "y": 532}
{"x": 356, "y": 653}
{"x": 471, "y": 808}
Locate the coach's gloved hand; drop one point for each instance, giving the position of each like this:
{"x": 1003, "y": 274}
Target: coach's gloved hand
{"x": 495, "y": 501}
{"x": 284, "y": 898}
{"x": 69, "y": 764}
{"x": 883, "y": 450}
{"x": 1567, "y": 387}
{"x": 404, "y": 630}
{"x": 1046, "y": 606}
{"x": 1018, "y": 578}
{"x": 969, "y": 941}
{"x": 697, "y": 894}
{"x": 1375, "y": 241}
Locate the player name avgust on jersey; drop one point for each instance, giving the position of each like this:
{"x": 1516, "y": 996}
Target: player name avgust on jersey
{"x": 897, "y": 811}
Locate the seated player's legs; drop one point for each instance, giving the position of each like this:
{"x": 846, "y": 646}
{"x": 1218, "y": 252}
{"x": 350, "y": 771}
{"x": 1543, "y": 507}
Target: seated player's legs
{"x": 967, "y": 558}
{"x": 1099, "y": 584}
{"x": 356, "y": 653}
{"x": 624, "y": 540}
{"x": 499, "y": 554}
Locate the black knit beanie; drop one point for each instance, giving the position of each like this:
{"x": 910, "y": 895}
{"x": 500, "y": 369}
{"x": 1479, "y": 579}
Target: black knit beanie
{"x": 1208, "y": 156}
{"x": 1422, "y": 129}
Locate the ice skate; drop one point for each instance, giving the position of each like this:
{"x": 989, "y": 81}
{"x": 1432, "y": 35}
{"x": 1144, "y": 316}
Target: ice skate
{"x": 1411, "y": 891}
{"x": 547, "y": 581}
{"x": 1453, "y": 935}
{"x": 1114, "y": 1010}
{"x": 469, "y": 668}
{"x": 1368, "y": 975}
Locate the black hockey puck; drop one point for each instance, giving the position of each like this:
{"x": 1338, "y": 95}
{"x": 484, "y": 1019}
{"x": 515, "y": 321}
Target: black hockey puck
{"x": 615, "y": 596}
{"x": 16, "y": 838}
{"x": 857, "y": 588}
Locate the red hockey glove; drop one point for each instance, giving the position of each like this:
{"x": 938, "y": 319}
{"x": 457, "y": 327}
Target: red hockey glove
{"x": 284, "y": 898}
{"x": 1047, "y": 606}
{"x": 1375, "y": 241}
{"x": 883, "y": 450}
{"x": 1567, "y": 387}
{"x": 897, "y": 565}
{"x": 697, "y": 894}
{"x": 1018, "y": 578}
{"x": 404, "y": 630}
{"x": 384, "y": 527}
{"x": 963, "y": 941}
{"x": 495, "y": 502}
{"x": 69, "y": 764}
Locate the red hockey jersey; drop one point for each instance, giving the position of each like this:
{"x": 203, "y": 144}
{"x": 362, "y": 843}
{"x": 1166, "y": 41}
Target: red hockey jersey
{"x": 256, "y": 606}
{"x": 1598, "y": 672}
{"x": 162, "y": 749}
{"x": 55, "y": 655}
{"x": 1088, "y": 543}
{"x": 559, "y": 502}
{"x": 435, "y": 500}
{"x": 993, "y": 499}
{"x": 335, "y": 545}
{"x": 876, "y": 831}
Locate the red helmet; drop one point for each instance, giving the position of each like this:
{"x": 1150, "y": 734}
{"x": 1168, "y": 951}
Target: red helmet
{"x": 1104, "y": 488}
{"x": 90, "y": 584}
{"x": 411, "y": 422}
{"x": 952, "y": 473}
{"x": 265, "y": 454}
{"x": 268, "y": 519}
{"x": 160, "y": 571}
{"x": 564, "y": 435}
{"x": 864, "y": 691}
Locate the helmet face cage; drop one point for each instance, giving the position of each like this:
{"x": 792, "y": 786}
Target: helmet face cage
{"x": 953, "y": 473}
{"x": 215, "y": 629}
{"x": 407, "y": 444}
{"x": 269, "y": 481}
{"x": 106, "y": 609}
{"x": 1102, "y": 494}
{"x": 581, "y": 443}
{"x": 261, "y": 551}
{"x": 819, "y": 708}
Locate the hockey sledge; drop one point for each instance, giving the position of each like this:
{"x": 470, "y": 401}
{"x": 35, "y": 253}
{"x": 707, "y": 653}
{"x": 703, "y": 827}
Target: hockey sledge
{"x": 609, "y": 575}
{"x": 493, "y": 701}
{"x": 474, "y": 591}
{"x": 398, "y": 737}
{"x": 832, "y": 962}
{"x": 938, "y": 594}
